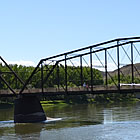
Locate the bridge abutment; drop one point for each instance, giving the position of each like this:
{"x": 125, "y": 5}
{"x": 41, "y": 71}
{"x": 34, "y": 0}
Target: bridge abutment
{"x": 28, "y": 110}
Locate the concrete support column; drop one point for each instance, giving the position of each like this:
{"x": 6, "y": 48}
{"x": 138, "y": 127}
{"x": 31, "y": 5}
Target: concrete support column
{"x": 28, "y": 109}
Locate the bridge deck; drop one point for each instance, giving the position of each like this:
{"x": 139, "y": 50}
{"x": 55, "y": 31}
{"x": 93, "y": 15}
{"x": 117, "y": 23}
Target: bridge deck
{"x": 72, "y": 91}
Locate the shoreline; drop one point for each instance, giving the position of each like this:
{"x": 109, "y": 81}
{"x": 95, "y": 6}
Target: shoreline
{"x": 81, "y": 99}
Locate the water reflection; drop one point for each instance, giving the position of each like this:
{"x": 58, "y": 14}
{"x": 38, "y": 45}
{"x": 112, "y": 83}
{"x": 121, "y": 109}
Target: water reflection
{"x": 100, "y": 120}
{"x": 76, "y": 115}
{"x": 27, "y": 130}
{"x": 22, "y": 129}
{"x": 122, "y": 113}
{"x": 6, "y": 114}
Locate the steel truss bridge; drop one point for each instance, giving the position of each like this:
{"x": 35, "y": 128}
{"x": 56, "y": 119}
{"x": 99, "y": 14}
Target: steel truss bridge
{"x": 70, "y": 70}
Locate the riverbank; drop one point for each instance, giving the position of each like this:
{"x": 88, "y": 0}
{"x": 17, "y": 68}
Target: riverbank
{"x": 79, "y": 99}
{"x": 92, "y": 99}
{"x": 113, "y": 98}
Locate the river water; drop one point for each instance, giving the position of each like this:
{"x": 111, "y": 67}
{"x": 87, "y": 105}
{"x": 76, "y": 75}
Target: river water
{"x": 79, "y": 122}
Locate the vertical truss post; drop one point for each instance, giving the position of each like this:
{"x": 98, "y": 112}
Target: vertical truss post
{"x": 106, "y": 83}
{"x": 66, "y": 88}
{"x": 42, "y": 83}
{"x": 58, "y": 77}
{"x": 81, "y": 73}
{"x": 16, "y": 82}
{"x": 91, "y": 69}
{"x": 132, "y": 63}
{"x": 118, "y": 58}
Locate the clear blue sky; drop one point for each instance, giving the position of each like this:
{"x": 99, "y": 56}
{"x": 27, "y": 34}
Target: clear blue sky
{"x": 35, "y": 29}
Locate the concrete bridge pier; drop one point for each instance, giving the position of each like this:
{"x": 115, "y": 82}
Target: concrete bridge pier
{"x": 28, "y": 110}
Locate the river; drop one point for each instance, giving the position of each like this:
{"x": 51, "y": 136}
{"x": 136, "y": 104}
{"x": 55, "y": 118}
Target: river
{"x": 79, "y": 122}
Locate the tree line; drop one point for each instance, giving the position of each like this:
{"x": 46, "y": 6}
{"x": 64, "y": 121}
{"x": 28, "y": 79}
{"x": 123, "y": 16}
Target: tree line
{"x": 56, "y": 78}
{"x": 127, "y": 79}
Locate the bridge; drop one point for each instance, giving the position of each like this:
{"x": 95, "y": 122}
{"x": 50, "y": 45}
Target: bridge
{"x": 71, "y": 70}
{"x": 107, "y": 67}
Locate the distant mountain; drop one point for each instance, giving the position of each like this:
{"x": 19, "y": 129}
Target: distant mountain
{"x": 127, "y": 70}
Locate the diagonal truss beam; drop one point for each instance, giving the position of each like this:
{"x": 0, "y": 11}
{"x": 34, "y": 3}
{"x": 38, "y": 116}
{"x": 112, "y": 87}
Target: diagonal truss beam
{"x": 12, "y": 70}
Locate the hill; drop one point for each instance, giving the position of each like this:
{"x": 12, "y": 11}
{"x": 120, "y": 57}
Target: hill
{"x": 126, "y": 70}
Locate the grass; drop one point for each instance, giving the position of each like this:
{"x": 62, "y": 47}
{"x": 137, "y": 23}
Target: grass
{"x": 53, "y": 103}
{"x": 114, "y": 98}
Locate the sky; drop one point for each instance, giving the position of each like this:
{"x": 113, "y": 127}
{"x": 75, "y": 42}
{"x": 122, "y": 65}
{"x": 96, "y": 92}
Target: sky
{"x": 34, "y": 29}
